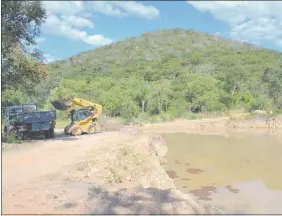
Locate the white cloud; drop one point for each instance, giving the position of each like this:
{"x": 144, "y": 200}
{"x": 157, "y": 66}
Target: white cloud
{"x": 112, "y": 8}
{"x": 59, "y": 27}
{"x": 64, "y": 7}
{"x": 69, "y": 18}
{"x": 106, "y": 8}
{"x": 78, "y": 22}
{"x": 125, "y": 8}
{"x": 249, "y": 21}
{"x": 49, "y": 58}
{"x": 68, "y": 21}
{"x": 139, "y": 9}
{"x": 97, "y": 40}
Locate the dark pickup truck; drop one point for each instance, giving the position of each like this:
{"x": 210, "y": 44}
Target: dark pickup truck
{"x": 25, "y": 121}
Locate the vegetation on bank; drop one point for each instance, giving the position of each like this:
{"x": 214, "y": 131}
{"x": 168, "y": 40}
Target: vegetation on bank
{"x": 164, "y": 74}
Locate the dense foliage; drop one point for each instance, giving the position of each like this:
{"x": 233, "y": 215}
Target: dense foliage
{"x": 169, "y": 72}
{"x": 20, "y": 68}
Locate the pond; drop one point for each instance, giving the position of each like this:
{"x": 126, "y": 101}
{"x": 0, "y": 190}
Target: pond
{"x": 240, "y": 174}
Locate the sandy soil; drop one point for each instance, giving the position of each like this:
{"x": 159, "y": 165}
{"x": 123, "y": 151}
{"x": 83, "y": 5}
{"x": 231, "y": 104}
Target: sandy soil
{"x": 107, "y": 173}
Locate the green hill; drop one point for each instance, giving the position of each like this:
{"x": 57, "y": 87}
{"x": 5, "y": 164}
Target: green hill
{"x": 169, "y": 71}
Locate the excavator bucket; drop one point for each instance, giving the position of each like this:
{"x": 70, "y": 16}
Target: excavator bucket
{"x": 60, "y": 104}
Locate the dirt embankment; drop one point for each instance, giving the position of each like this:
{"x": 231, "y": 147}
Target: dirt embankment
{"x": 108, "y": 173}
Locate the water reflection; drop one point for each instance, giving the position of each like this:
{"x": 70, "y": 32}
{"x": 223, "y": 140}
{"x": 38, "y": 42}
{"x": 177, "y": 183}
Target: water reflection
{"x": 228, "y": 171}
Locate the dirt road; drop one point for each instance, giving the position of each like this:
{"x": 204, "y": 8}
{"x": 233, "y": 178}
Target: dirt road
{"x": 30, "y": 167}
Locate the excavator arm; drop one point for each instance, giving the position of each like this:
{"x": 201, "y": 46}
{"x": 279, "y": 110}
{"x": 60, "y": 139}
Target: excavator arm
{"x": 70, "y": 104}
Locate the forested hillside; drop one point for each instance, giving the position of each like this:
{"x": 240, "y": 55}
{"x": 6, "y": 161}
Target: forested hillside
{"x": 169, "y": 71}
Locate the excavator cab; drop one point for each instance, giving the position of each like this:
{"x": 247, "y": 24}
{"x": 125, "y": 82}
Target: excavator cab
{"x": 79, "y": 114}
{"x": 81, "y": 123}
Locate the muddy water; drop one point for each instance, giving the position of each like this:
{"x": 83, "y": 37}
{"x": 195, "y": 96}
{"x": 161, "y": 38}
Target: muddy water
{"x": 240, "y": 174}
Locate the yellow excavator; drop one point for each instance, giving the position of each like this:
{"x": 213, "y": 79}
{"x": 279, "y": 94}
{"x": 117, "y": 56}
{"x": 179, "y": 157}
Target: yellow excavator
{"x": 83, "y": 120}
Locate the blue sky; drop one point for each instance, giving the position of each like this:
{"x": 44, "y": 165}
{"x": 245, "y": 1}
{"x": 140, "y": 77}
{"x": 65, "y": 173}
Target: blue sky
{"x": 76, "y": 26}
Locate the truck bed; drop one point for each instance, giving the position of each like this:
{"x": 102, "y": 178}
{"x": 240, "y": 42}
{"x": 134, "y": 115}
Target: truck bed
{"x": 33, "y": 117}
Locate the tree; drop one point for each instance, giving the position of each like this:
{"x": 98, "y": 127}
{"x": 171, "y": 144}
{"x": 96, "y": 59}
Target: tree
{"x": 20, "y": 25}
{"x": 159, "y": 96}
{"x": 203, "y": 93}
{"x": 139, "y": 90}
{"x": 12, "y": 96}
{"x": 273, "y": 78}
{"x": 20, "y": 70}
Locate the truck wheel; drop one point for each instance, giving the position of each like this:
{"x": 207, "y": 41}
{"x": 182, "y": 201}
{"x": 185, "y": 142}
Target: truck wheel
{"x": 25, "y": 136}
{"x": 91, "y": 129}
{"x": 51, "y": 133}
{"x": 19, "y": 136}
{"x": 76, "y": 131}
{"x": 46, "y": 134}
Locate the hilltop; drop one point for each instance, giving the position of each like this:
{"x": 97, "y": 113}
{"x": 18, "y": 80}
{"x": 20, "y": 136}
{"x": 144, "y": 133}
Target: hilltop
{"x": 170, "y": 73}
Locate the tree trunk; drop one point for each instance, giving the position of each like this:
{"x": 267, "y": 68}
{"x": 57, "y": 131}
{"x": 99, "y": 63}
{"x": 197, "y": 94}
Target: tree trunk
{"x": 143, "y": 106}
{"x": 233, "y": 90}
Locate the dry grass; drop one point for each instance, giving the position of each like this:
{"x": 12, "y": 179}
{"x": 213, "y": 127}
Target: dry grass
{"x": 238, "y": 114}
{"x": 114, "y": 167}
{"x": 125, "y": 163}
{"x": 106, "y": 123}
